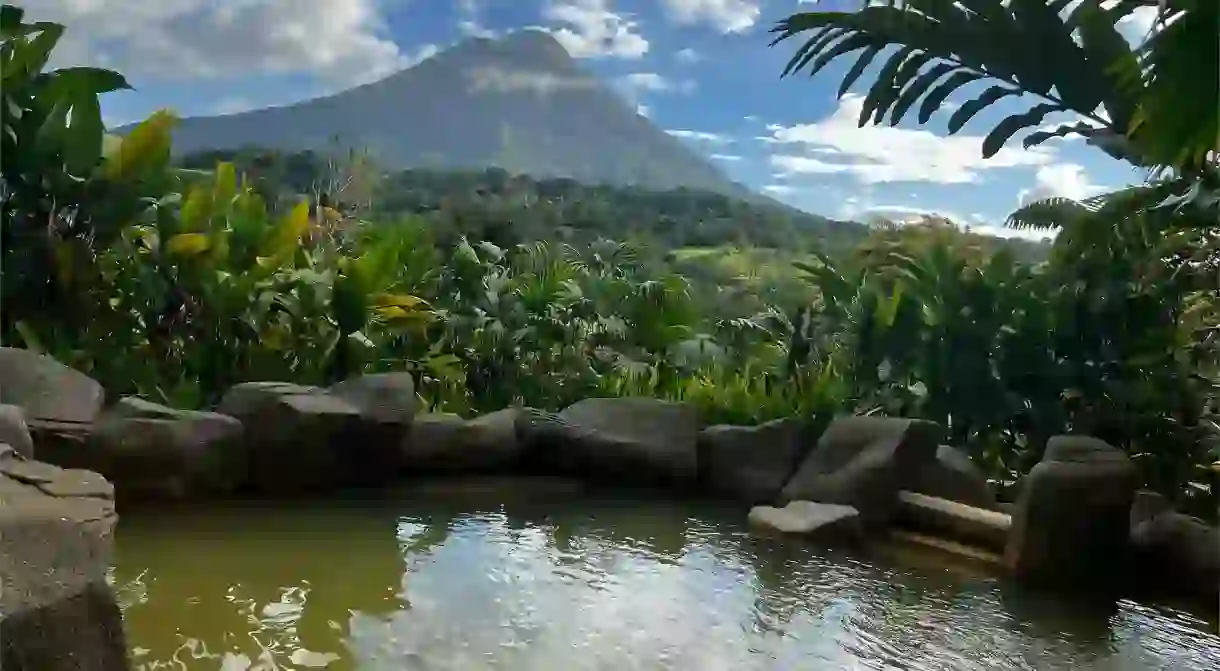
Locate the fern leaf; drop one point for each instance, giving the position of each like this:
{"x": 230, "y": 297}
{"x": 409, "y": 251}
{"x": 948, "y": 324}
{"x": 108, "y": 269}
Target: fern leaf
{"x": 936, "y": 97}
{"x": 1004, "y": 130}
{"x": 967, "y": 111}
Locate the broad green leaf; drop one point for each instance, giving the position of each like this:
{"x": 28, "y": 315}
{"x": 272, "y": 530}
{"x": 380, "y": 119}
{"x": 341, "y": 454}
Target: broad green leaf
{"x": 84, "y": 137}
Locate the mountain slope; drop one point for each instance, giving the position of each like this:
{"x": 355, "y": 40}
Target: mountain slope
{"x": 520, "y": 103}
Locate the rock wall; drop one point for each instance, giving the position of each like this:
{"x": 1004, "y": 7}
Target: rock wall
{"x": 58, "y": 612}
{"x": 856, "y": 475}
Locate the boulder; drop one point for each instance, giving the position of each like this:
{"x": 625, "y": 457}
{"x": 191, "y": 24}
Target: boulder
{"x": 301, "y": 439}
{"x": 388, "y": 397}
{"x": 864, "y": 462}
{"x": 14, "y": 432}
{"x": 824, "y": 520}
{"x": 751, "y": 464}
{"x": 1071, "y": 522}
{"x": 47, "y": 389}
{"x": 440, "y": 442}
{"x": 152, "y": 451}
{"x": 953, "y": 476}
{"x": 56, "y": 531}
{"x": 1177, "y": 551}
{"x": 622, "y": 439}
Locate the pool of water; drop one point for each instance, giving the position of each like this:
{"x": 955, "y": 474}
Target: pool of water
{"x": 538, "y": 582}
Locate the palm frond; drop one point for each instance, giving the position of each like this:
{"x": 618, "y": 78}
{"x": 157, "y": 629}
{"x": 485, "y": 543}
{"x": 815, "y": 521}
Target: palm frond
{"x": 933, "y": 49}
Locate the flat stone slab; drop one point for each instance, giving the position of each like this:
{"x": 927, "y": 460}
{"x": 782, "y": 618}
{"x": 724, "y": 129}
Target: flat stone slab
{"x": 809, "y": 518}
{"x": 954, "y": 521}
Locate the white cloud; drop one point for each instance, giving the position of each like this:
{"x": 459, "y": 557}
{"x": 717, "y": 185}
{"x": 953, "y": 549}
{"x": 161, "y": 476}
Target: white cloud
{"x": 341, "y": 42}
{"x": 779, "y": 188}
{"x": 727, "y": 16}
{"x": 1062, "y": 180}
{"x": 701, "y": 136}
{"x": 1138, "y": 24}
{"x": 867, "y": 211}
{"x": 589, "y": 29}
{"x": 234, "y": 105}
{"x": 643, "y": 110}
{"x": 888, "y": 154}
{"x": 504, "y": 80}
{"x": 420, "y": 54}
{"x": 639, "y": 82}
{"x": 470, "y": 20}
{"x": 688, "y": 55}
{"x": 726, "y": 157}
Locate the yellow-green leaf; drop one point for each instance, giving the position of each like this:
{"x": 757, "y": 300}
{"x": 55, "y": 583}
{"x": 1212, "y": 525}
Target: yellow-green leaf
{"x": 148, "y": 144}
{"x": 197, "y": 209}
{"x": 288, "y": 232}
{"x": 188, "y": 244}
{"x": 403, "y": 301}
{"x": 226, "y": 183}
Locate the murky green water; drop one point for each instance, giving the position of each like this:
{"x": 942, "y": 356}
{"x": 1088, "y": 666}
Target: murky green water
{"x": 542, "y": 583}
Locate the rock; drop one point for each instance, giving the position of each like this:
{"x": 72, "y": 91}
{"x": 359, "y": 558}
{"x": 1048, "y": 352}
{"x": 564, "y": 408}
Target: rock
{"x": 1175, "y": 550}
{"x": 388, "y": 397}
{"x": 152, "y": 451}
{"x": 864, "y": 462}
{"x": 14, "y": 432}
{"x": 1071, "y": 521}
{"x": 642, "y": 439}
{"x": 955, "y": 521}
{"x": 56, "y": 531}
{"x": 447, "y": 443}
{"x": 1148, "y": 505}
{"x": 806, "y": 517}
{"x": 953, "y": 476}
{"x": 751, "y": 464}
{"x": 134, "y": 406}
{"x": 47, "y": 389}
{"x": 301, "y": 439}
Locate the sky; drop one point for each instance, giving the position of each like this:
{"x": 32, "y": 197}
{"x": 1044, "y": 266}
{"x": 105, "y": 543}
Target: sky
{"x": 700, "y": 69}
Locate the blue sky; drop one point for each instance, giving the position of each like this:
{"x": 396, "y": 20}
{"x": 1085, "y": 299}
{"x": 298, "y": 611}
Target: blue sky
{"x": 701, "y": 69}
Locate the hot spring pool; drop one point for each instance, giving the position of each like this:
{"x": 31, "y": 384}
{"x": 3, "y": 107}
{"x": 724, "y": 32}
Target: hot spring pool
{"x": 573, "y": 582}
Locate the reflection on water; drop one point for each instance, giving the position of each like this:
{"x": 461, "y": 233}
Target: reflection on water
{"x": 590, "y": 583}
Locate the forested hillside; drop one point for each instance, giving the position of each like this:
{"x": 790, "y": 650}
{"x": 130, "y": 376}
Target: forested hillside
{"x": 507, "y": 209}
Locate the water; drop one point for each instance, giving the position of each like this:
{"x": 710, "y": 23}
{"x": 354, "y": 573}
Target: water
{"x": 539, "y": 581}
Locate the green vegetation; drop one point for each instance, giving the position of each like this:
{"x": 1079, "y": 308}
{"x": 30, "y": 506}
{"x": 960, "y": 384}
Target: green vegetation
{"x": 174, "y": 282}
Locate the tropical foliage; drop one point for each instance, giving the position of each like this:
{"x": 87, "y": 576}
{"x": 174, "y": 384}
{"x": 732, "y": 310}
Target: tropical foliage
{"x": 175, "y": 281}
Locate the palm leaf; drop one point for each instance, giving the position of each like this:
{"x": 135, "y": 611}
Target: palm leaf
{"x": 935, "y": 48}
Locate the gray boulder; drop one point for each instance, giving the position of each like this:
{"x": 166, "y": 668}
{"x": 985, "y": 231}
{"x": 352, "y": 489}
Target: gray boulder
{"x": 824, "y": 520}
{"x": 47, "y": 389}
{"x": 387, "y": 397}
{"x": 1071, "y": 522}
{"x": 152, "y": 451}
{"x": 301, "y": 439}
{"x": 1176, "y": 551}
{"x": 14, "y": 432}
{"x": 622, "y": 439}
{"x": 864, "y": 462}
{"x": 441, "y": 442}
{"x": 954, "y": 477}
{"x": 56, "y": 530}
{"x": 751, "y": 464}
